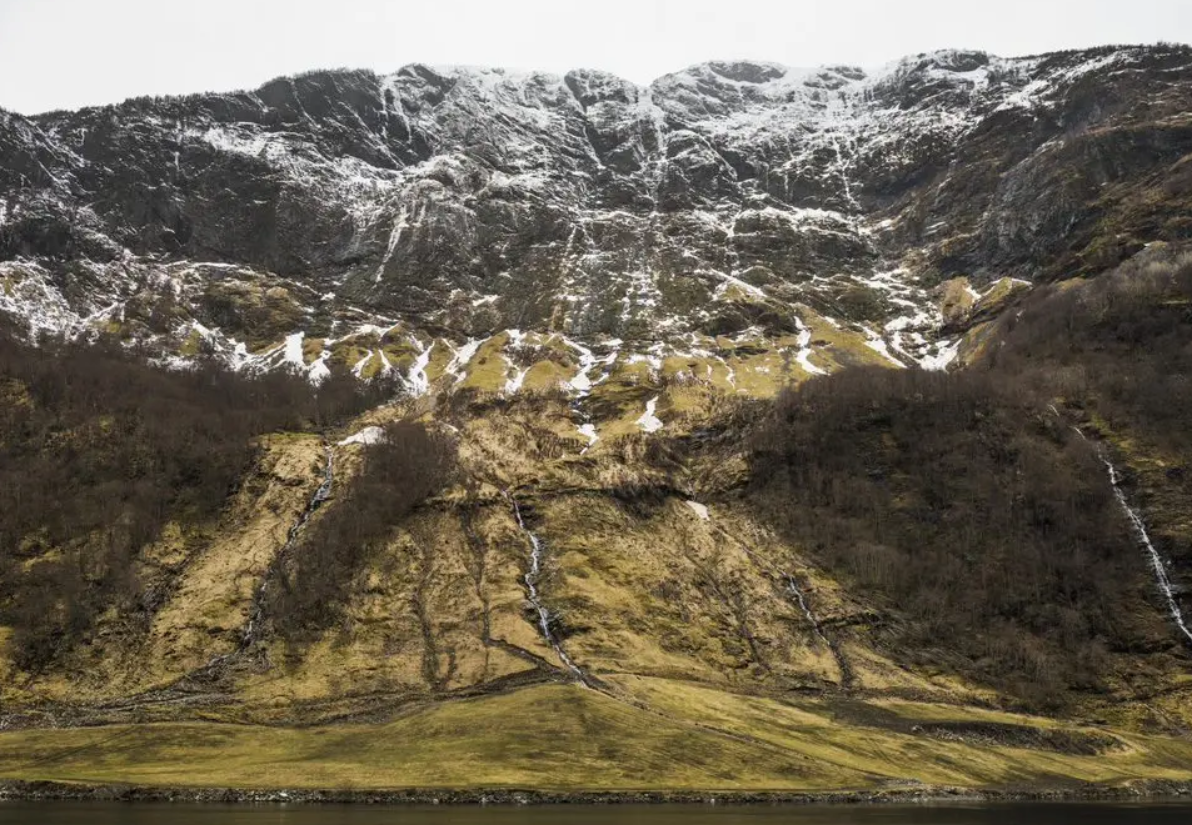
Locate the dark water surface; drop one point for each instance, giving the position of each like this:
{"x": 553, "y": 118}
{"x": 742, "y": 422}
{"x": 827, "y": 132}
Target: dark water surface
{"x": 97, "y": 813}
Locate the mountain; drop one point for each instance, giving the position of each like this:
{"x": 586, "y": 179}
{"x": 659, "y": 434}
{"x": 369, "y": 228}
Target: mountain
{"x": 762, "y": 428}
{"x": 724, "y": 199}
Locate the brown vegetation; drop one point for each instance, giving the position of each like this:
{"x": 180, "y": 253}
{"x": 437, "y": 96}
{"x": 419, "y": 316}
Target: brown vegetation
{"x": 399, "y": 473}
{"x": 966, "y": 504}
{"x": 99, "y": 450}
{"x": 950, "y": 500}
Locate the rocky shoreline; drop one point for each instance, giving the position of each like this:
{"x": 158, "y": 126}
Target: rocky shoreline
{"x": 62, "y": 791}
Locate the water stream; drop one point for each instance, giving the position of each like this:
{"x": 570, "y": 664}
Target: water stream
{"x": 531, "y": 579}
{"x": 1158, "y": 563}
{"x": 792, "y": 587}
{"x": 252, "y": 629}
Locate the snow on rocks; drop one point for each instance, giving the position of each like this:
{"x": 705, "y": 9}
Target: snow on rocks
{"x": 804, "y": 354}
{"x": 701, "y": 510}
{"x": 400, "y": 225}
{"x": 416, "y": 381}
{"x": 319, "y": 371}
{"x": 588, "y": 431}
{"x": 457, "y": 367}
{"x": 878, "y": 344}
{"x": 730, "y": 373}
{"x": 293, "y": 350}
{"x": 367, "y": 436}
{"x": 649, "y": 422}
{"x": 28, "y": 292}
{"x": 386, "y": 366}
{"x": 731, "y": 281}
{"x": 362, "y": 364}
{"x": 583, "y": 383}
{"x": 945, "y": 353}
{"x": 517, "y": 378}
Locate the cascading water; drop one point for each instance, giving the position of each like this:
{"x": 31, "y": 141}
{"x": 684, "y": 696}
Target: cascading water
{"x": 1157, "y": 562}
{"x": 846, "y": 670}
{"x": 792, "y": 587}
{"x": 320, "y": 495}
{"x": 531, "y": 580}
{"x": 796, "y": 593}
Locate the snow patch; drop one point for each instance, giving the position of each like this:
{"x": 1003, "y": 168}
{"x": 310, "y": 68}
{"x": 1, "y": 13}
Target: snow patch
{"x": 416, "y": 381}
{"x": 878, "y": 344}
{"x": 700, "y": 510}
{"x": 367, "y": 436}
{"x": 944, "y": 355}
{"x": 588, "y": 431}
{"x": 804, "y": 354}
{"x": 649, "y": 422}
{"x": 319, "y": 371}
{"x": 293, "y": 350}
{"x": 462, "y": 357}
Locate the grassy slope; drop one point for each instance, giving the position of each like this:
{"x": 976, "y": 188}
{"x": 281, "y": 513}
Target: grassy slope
{"x": 641, "y": 593}
{"x": 658, "y": 735}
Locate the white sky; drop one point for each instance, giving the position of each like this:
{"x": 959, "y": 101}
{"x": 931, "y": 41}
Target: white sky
{"x": 70, "y": 53}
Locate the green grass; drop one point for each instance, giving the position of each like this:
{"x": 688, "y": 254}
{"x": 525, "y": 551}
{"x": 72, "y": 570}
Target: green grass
{"x": 656, "y": 735}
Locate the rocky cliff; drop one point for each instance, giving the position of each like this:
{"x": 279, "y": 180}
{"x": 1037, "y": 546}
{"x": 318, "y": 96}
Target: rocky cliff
{"x": 730, "y": 199}
{"x": 593, "y": 291}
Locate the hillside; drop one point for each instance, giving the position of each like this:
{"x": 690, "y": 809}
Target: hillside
{"x": 761, "y": 429}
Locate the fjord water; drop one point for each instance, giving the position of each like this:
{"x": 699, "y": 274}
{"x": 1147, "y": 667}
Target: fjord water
{"x": 1151, "y": 813}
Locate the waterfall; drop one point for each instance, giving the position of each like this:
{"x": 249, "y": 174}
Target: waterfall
{"x": 1158, "y": 565}
{"x": 531, "y": 580}
{"x": 846, "y": 671}
{"x": 1157, "y": 562}
{"x": 792, "y": 587}
{"x": 320, "y": 495}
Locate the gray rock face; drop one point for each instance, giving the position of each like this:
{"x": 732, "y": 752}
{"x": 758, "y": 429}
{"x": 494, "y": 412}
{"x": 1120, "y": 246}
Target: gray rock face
{"x": 478, "y": 199}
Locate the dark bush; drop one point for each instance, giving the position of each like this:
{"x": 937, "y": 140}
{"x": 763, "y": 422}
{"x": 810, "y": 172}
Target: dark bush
{"x": 99, "y": 449}
{"x": 399, "y": 473}
{"x": 960, "y": 505}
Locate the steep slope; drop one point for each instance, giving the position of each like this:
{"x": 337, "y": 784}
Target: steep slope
{"x": 716, "y": 201}
{"x": 599, "y": 522}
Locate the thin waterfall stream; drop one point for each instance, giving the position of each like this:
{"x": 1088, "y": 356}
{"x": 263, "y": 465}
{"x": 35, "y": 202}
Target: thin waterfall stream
{"x": 1158, "y": 564}
{"x": 531, "y": 579}
{"x": 252, "y": 629}
{"x": 846, "y": 671}
{"x": 792, "y": 587}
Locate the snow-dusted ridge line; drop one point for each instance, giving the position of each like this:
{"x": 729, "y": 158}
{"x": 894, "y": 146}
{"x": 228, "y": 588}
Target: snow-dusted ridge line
{"x": 533, "y": 123}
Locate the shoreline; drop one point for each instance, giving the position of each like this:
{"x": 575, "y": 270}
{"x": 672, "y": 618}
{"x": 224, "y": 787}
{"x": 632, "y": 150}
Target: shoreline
{"x": 53, "y": 791}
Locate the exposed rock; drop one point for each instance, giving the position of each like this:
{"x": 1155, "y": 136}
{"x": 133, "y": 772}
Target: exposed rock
{"x": 472, "y": 200}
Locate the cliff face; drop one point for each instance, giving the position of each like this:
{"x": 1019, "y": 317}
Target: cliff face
{"x": 726, "y": 198}
{"x": 592, "y": 290}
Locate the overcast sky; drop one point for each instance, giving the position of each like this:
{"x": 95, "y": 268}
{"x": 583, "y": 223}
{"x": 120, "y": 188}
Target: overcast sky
{"x": 70, "y": 53}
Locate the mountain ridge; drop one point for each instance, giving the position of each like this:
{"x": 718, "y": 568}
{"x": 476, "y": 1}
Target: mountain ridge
{"x": 626, "y": 218}
{"x": 729, "y": 423}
